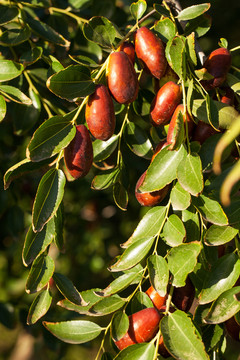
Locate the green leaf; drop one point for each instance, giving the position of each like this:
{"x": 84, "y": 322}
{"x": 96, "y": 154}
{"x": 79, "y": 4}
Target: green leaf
{"x": 217, "y": 235}
{"x": 138, "y": 9}
{"x": 175, "y": 54}
{"x": 137, "y": 140}
{"x": 166, "y": 29}
{"x": 189, "y": 174}
{"x": 210, "y": 209}
{"x": 103, "y": 149}
{"x": 75, "y": 331}
{"x": 13, "y": 37}
{"x": 162, "y": 10}
{"x": 174, "y": 231}
{"x": 199, "y": 25}
{"x": 191, "y": 223}
{"x": 90, "y": 298}
{"x": 194, "y": 11}
{"x": 234, "y": 83}
{"x": 84, "y": 60}
{"x": 222, "y": 277}
{"x": 180, "y": 198}
{"x": 233, "y": 211}
{"x": 7, "y": 13}
{"x": 48, "y": 198}
{"x": 225, "y": 307}
{"x": 71, "y": 83}
{"x": 15, "y": 94}
{"x": 3, "y": 108}
{"x": 133, "y": 254}
{"x": 59, "y": 220}
{"x": 120, "y": 196}
{"x": 41, "y": 272}
{"x": 180, "y": 337}
{"x": 140, "y": 301}
{"x": 182, "y": 260}
{"x": 31, "y": 56}
{"x": 151, "y": 223}
{"x": 100, "y": 30}
{"x": 105, "y": 179}
{"x": 144, "y": 351}
{"x": 39, "y": 307}
{"x": 162, "y": 170}
{"x": 68, "y": 290}
{"x": 36, "y": 243}
{"x": 191, "y": 49}
{"x": 120, "y": 324}
{"x": 212, "y": 112}
{"x": 10, "y": 70}
{"x": 107, "y": 306}
{"x": 52, "y": 136}
{"x": 158, "y": 273}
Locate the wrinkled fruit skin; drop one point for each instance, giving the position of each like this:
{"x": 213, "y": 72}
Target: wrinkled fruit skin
{"x": 164, "y": 103}
{"x": 143, "y": 326}
{"x": 150, "y": 51}
{"x": 217, "y": 64}
{"x": 149, "y": 198}
{"x": 78, "y": 155}
{"x": 99, "y": 114}
{"x": 170, "y": 135}
{"x": 157, "y": 300}
{"x": 122, "y": 78}
{"x": 202, "y": 132}
{"x": 183, "y": 297}
{"x": 129, "y": 49}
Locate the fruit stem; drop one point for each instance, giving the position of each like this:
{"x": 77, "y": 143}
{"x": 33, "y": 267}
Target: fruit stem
{"x": 120, "y": 135}
{"x": 68, "y": 13}
{"x": 169, "y": 299}
{"x": 185, "y": 116}
{"x": 157, "y": 338}
{"x": 103, "y": 340}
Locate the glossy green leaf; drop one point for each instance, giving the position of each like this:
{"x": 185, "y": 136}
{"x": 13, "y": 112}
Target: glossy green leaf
{"x": 75, "y": 331}
{"x": 194, "y": 11}
{"x": 200, "y": 25}
{"x": 52, "y": 136}
{"x": 41, "y": 272}
{"x": 212, "y": 112}
{"x": 68, "y": 290}
{"x": 84, "y": 60}
{"x": 15, "y": 94}
{"x": 182, "y": 260}
{"x": 174, "y": 231}
{"x": 190, "y": 219}
{"x": 100, "y": 30}
{"x": 181, "y": 338}
{"x": 31, "y": 56}
{"x": 120, "y": 324}
{"x": 175, "y": 54}
{"x": 133, "y": 254}
{"x": 225, "y": 307}
{"x": 222, "y": 277}
{"x": 234, "y": 83}
{"x": 218, "y": 235}
{"x": 210, "y": 209}
{"x": 189, "y": 174}
{"x": 36, "y": 243}
{"x": 137, "y": 140}
{"x": 48, "y": 198}
{"x": 180, "y": 198}
{"x": 58, "y": 221}
{"x": 39, "y": 306}
{"x": 90, "y": 298}
{"x": 107, "y": 306}
{"x": 163, "y": 169}
{"x": 13, "y": 37}
{"x": 151, "y": 223}
{"x": 166, "y": 29}
{"x": 191, "y": 43}
{"x": 120, "y": 196}
{"x": 10, "y": 70}
{"x": 103, "y": 149}
{"x": 144, "y": 351}
{"x": 140, "y": 301}
{"x": 105, "y": 179}
{"x": 3, "y": 108}
{"x": 7, "y": 13}
{"x": 158, "y": 273}
{"x": 138, "y": 9}
{"x": 71, "y": 83}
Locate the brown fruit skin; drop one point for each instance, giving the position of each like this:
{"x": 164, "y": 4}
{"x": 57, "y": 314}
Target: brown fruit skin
{"x": 149, "y": 198}
{"x": 157, "y": 300}
{"x": 183, "y": 297}
{"x": 143, "y": 326}
{"x": 170, "y": 134}
{"x": 217, "y": 64}
{"x": 78, "y": 155}
{"x": 164, "y": 103}
{"x": 150, "y": 51}
{"x": 129, "y": 49}
{"x": 202, "y": 132}
{"x": 122, "y": 78}
{"x": 232, "y": 328}
{"x": 99, "y": 113}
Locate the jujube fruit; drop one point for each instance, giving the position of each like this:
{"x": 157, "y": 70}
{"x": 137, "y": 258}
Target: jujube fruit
{"x": 183, "y": 296}
{"x": 171, "y": 130}
{"x": 78, "y": 155}
{"x": 202, "y": 132}
{"x": 150, "y": 51}
{"x": 122, "y": 78}
{"x": 99, "y": 113}
{"x": 129, "y": 49}
{"x": 233, "y": 328}
{"x": 157, "y": 300}
{"x": 165, "y": 102}
{"x": 228, "y": 96}
{"x": 143, "y": 326}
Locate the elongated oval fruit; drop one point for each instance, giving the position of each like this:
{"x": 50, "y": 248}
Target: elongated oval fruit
{"x": 157, "y": 300}
{"x": 78, "y": 155}
{"x": 171, "y": 135}
{"x": 150, "y": 51}
{"x": 99, "y": 113}
{"x": 143, "y": 326}
{"x": 217, "y": 64}
{"x": 202, "y": 132}
{"x": 165, "y": 102}
{"x": 129, "y": 49}
{"x": 183, "y": 297}
{"x": 122, "y": 78}
{"x": 149, "y": 198}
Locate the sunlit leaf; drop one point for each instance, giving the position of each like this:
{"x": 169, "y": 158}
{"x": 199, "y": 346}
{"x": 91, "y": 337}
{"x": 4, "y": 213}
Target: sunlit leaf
{"x": 39, "y": 306}
{"x": 41, "y": 271}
